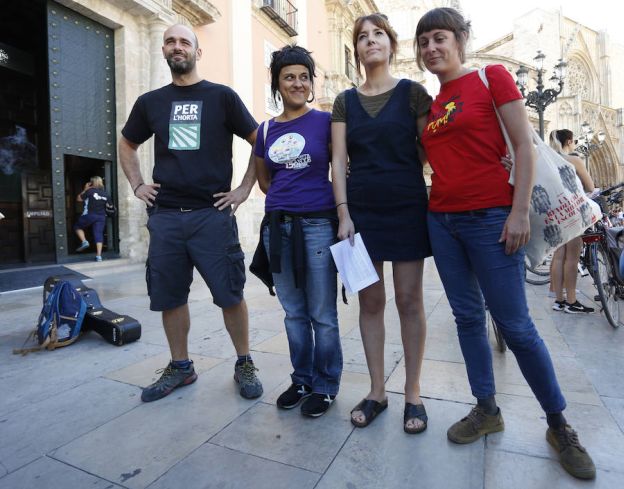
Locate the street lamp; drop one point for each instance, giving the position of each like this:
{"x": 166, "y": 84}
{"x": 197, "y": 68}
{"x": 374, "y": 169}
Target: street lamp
{"x": 585, "y": 144}
{"x": 539, "y": 98}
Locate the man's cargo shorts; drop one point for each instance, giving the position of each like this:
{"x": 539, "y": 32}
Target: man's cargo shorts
{"x": 181, "y": 239}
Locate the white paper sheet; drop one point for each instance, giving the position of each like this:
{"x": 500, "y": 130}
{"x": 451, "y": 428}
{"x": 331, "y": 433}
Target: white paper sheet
{"x": 354, "y": 266}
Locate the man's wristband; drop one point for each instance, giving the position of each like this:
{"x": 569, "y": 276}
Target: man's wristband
{"x": 338, "y": 205}
{"x": 136, "y": 188}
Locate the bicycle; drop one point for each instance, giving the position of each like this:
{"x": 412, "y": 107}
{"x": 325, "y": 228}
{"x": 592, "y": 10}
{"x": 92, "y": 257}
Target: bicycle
{"x": 602, "y": 263}
{"x": 539, "y": 275}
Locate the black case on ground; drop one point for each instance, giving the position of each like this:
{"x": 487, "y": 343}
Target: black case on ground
{"x": 117, "y": 329}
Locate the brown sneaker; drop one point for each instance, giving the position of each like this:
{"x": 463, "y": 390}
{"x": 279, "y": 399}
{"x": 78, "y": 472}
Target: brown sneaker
{"x": 475, "y": 425}
{"x": 572, "y": 455}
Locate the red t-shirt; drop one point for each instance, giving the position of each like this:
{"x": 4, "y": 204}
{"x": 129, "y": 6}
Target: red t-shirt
{"x": 464, "y": 143}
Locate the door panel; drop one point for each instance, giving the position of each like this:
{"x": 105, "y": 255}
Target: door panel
{"x": 38, "y": 219}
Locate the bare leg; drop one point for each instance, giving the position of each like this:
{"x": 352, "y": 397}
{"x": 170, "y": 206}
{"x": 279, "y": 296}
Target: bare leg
{"x": 409, "y": 301}
{"x": 81, "y": 235}
{"x": 556, "y": 271}
{"x": 372, "y": 305}
{"x": 236, "y": 319}
{"x": 98, "y": 249}
{"x": 177, "y": 323}
{"x": 570, "y": 267}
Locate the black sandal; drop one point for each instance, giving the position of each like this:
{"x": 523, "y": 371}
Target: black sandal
{"x": 414, "y": 411}
{"x": 370, "y": 409}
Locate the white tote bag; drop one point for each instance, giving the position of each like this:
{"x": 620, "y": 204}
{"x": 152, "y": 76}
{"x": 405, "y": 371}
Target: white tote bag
{"x": 560, "y": 210}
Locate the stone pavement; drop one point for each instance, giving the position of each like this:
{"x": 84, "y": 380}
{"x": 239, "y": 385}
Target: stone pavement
{"x": 73, "y": 418}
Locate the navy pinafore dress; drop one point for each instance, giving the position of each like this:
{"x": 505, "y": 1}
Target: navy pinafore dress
{"x": 386, "y": 189}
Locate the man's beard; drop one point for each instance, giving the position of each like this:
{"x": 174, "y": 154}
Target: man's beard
{"x": 181, "y": 67}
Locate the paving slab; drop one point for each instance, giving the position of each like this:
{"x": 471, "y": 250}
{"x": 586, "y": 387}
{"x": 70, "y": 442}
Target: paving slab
{"x": 38, "y": 428}
{"x": 38, "y": 376}
{"x": 123, "y": 439}
{"x": 150, "y": 439}
{"x": 276, "y": 344}
{"x": 145, "y": 373}
{"x": 276, "y": 434}
{"x": 438, "y": 380}
{"x": 230, "y": 469}
{"x": 604, "y": 369}
{"x": 382, "y": 455}
{"x": 46, "y": 473}
{"x": 616, "y": 408}
{"x": 516, "y": 471}
{"x": 574, "y": 384}
{"x": 354, "y": 359}
{"x": 525, "y": 431}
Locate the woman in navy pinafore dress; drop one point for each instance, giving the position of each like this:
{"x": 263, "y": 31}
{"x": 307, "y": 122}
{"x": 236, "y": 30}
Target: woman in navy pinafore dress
{"x": 376, "y": 127}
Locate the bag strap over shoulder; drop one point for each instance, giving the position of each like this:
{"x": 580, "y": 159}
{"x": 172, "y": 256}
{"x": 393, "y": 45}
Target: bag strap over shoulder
{"x": 484, "y": 79}
{"x": 265, "y": 130}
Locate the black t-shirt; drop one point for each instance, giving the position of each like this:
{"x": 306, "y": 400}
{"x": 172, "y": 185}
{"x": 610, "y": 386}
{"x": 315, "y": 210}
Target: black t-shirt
{"x": 95, "y": 201}
{"x": 193, "y": 128}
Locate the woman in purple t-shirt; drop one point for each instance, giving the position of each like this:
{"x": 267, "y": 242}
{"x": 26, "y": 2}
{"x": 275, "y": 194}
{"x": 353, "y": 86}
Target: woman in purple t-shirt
{"x": 292, "y": 160}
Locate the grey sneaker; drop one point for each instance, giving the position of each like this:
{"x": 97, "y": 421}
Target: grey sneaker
{"x": 83, "y": 246}
{"x": 245, "y": 376}
{"x": 171, "y": 379}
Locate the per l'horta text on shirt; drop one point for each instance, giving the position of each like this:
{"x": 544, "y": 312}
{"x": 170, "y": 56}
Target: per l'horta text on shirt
{"x": 193, "y": 128}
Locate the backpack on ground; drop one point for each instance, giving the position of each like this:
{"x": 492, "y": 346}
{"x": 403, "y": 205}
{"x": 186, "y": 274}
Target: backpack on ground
{"x": 61, "y": 318}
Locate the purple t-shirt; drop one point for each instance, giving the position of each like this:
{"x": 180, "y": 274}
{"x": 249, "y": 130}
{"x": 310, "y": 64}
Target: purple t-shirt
{"x": 297, "y": 156}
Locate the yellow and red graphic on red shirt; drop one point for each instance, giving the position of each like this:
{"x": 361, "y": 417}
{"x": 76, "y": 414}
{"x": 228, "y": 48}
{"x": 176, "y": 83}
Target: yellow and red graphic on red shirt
{"x": 442, "y": 118}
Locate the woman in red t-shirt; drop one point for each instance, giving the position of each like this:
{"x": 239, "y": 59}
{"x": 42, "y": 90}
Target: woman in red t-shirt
{"x": 478, "y": 226}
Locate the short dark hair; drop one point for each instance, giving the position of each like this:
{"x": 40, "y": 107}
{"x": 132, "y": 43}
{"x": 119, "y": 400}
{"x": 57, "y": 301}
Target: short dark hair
{"x": 381, "y": 21}
{"x": 558, "y": 138}
{"x": 447, "y": 19}
{"x": 287, "y": 56}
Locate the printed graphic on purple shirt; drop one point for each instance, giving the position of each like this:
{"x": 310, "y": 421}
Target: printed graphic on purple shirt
{"x": 185, "y": 125}
{"x": 287, "y": 150}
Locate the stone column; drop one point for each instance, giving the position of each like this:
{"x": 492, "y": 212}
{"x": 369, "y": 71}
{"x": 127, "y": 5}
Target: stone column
{"x": 155, "y": 72}
{"x": 242, "y": 83}
{"x": 159, "y": 70}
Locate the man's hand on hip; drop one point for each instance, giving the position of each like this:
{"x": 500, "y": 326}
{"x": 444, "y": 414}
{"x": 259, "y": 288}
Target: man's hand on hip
{"x": 147, "y": 193}
{"x": 232, "y": 198}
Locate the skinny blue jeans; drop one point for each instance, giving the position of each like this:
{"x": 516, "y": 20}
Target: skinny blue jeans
{"x": 473, "y": 265}
{"x": 311, "y": 314}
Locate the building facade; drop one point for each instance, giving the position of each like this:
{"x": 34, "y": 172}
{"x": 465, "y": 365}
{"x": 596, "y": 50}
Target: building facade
{"x": 70, "y": 71}
{"x": 590, "y": 92}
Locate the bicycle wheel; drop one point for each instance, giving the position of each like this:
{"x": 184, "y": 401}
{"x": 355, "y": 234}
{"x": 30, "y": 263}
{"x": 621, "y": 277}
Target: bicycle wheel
{"x": 539, "y": 275}
{"x": 607, "y": 286}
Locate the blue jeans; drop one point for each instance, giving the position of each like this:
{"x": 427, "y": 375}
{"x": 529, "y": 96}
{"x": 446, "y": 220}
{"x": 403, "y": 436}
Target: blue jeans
{"x": 316, "y": 358}
{"x": 473, "y": 266}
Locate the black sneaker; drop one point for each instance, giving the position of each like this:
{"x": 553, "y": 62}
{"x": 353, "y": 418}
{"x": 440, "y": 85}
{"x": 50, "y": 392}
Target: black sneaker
{"x": 317, "y": 404}
{"x": 578, "y": 308}
{"x": 292, "y": 396}
{"x": 245, "y": 376}
{"x": 559, "y": 306}
{"x": 171, "y": 379}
